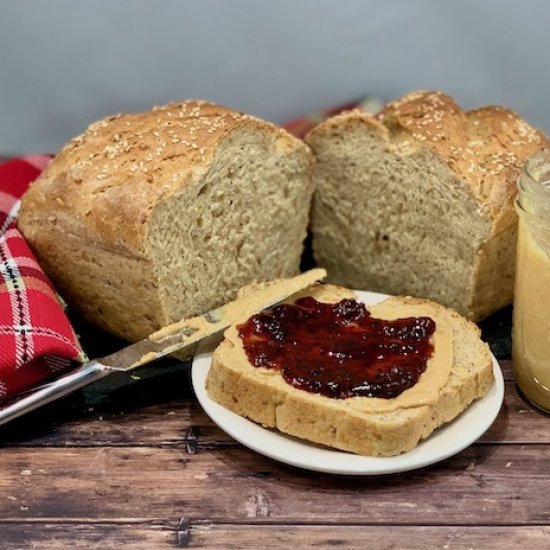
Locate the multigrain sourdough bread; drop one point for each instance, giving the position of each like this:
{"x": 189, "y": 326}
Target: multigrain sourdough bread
{"x": 459, "y": 372}
{"x": 152, "y": 217}
{"x": 419, "y": 200}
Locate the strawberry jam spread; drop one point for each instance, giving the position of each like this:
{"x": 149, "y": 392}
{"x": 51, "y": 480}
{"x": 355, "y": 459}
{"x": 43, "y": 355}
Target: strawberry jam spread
{"x": 339, "y": 350}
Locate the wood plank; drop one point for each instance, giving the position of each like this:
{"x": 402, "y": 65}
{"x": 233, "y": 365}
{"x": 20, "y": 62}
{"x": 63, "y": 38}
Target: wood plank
{"x": 391, "y": 537}
{"x": 56, "y": 536}
{"x": 507, "y": 369}
{"x": 518, "y": 421}
{"x": 174, "y": 423}
{"x": 48, "y": 536}
{"x": 182, "y": 423}
{"x": 485, "y": 484}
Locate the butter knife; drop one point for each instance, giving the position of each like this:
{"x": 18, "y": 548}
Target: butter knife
{"x": 176, "y": 337}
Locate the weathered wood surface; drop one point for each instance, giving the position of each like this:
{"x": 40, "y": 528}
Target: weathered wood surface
{"x": 184, "y": 534}
{"x": 487, "y": 484}
{"x": 83, "y": 535}
{"x": 141, "y": 466}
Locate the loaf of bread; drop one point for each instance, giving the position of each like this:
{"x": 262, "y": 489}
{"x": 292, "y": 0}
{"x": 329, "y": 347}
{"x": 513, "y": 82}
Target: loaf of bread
{"x": 419, "y": 200}
{"x": 459, "y": 372}
{"x": 152, "y": 217}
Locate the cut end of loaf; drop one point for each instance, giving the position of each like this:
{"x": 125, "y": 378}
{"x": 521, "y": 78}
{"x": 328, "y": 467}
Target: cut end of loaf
{"x": 244, "y": 220}
{"x": 419, "y": 200}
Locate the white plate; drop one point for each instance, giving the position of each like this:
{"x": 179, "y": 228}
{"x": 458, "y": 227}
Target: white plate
{"x": 443, "y": 443}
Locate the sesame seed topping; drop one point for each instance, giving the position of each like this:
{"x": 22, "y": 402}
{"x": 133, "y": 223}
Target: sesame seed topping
{"x": 483, "y": 146}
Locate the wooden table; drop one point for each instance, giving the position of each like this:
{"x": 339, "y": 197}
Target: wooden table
{"x": 140, "y": 465}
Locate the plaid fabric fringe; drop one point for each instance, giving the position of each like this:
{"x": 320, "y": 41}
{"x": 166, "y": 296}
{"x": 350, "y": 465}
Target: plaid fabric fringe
{"x": 36, "y": 339}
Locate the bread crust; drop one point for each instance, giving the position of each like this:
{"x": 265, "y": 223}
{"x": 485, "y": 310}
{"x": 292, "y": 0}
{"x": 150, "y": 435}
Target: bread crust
{"x": 484, "y": 147}
{"x": 105, "y": 183}
{"x": 245, "y": 390}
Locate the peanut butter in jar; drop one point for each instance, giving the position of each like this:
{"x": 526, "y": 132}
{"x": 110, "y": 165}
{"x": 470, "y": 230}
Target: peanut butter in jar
{"x": 531, "y": 323}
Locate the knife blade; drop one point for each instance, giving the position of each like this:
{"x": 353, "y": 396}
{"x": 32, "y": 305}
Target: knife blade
{"x": 176, "y": 337}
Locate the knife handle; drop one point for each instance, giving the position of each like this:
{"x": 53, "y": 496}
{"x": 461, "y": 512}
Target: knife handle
{"x": 58, "y": 388}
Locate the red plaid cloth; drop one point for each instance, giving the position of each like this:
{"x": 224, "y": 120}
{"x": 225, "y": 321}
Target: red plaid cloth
{"x": 301, "y": 126}
{"x": 36, "y": 338}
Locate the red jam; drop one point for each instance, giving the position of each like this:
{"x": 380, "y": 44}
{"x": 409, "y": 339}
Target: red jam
{"x": 339, "y": 350}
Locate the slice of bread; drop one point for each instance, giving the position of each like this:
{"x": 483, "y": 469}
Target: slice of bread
{"x": 148, "y": 218}
{"x": 419, "y": 200}
{"x": 354, "y": 424}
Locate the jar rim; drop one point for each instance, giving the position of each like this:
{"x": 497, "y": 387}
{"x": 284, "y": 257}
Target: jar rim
{"x": 535, "y": 162}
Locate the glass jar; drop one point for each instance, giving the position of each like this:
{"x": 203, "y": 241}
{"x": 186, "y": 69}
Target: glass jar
{"x": 531, "y": 323}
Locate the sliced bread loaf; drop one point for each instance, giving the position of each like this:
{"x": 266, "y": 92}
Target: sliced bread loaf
{"x": 419, "y": 200}
{"x": 152, "y": 217}
{"x": 459, "y": 372}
